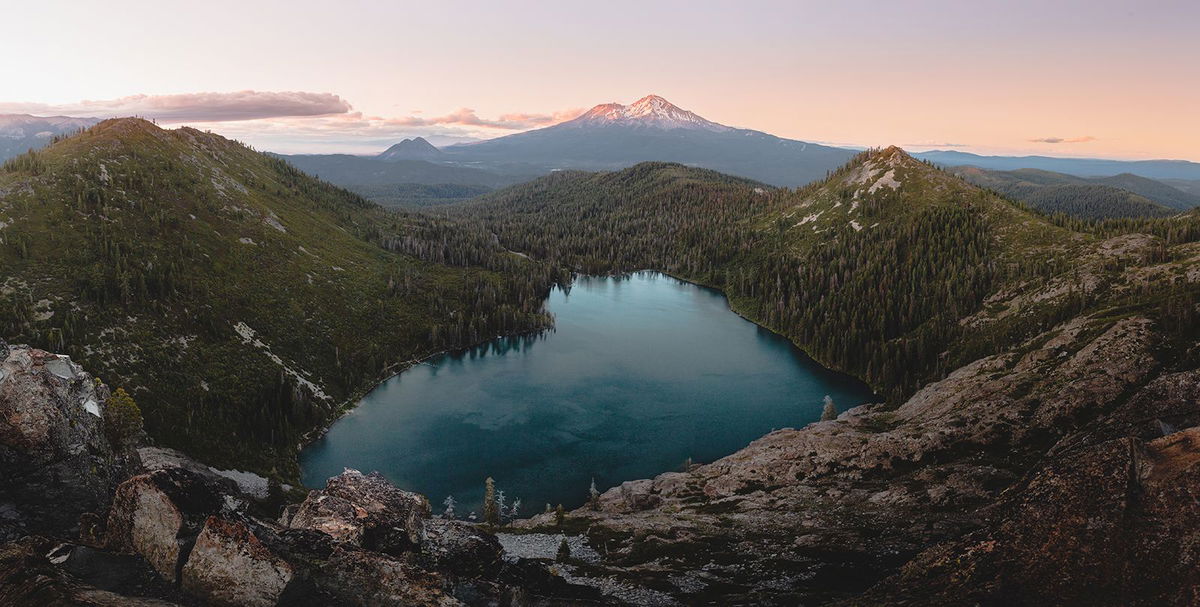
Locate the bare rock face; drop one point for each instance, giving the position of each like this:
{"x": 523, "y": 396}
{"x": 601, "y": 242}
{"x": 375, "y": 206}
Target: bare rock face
{"x": 367, "y": 511}
{"x": 229, "y": 565}
{"x": 1113, "y": 524}
{"x": 54, "y": 458}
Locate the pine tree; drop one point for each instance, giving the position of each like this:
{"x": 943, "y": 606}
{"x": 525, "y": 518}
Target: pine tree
{"x": 564, "y": 551}
{"x": 593, "y": 495}
{"x": 490, "y": 515}
{"x": 122, "y": 418}
{"x": 450, "y": 503}
{"x": 559, "y": 515}
{"x": 830, "y": 411}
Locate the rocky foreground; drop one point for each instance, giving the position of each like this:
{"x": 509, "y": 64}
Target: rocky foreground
{"x": 1065, "y": 471}
{"x": 89, "y": 523}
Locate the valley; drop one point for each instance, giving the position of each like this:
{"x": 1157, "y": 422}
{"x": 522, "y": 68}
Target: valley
{"x": 1020, "y": 361}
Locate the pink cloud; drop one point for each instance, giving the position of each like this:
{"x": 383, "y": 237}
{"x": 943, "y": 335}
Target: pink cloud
{"x": 468, "y": 117}
{"x": 1083, "y": 139}
{"x": 198, "y": 107}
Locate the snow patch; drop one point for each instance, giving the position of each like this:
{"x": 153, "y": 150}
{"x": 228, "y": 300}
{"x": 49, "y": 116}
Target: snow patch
{"x": 854, "y": 224}
{"x": 92, "y": 407}
{"x": 248, "y": 241}
{"x": 248, "y": 482}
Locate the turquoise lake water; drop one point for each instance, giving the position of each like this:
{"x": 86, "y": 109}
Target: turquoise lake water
{"x": 640, "y": 373}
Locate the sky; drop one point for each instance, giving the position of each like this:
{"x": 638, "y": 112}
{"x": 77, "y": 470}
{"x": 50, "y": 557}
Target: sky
{"x": 1091, "y": 78}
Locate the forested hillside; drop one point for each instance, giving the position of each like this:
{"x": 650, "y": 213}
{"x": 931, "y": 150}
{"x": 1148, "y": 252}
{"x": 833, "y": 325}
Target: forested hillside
{"x": 240, "y": 301}
{"x": 871, "y": 271}
{"x": 1112, "y": 197}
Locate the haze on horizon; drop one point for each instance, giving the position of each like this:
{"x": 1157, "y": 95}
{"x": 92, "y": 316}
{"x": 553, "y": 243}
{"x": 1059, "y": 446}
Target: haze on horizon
{"x": 1063, "y": 78}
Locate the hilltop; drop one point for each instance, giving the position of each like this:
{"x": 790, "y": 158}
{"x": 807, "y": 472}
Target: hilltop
{"x": 416, "y": 148}
{"x": 240, "y": 301}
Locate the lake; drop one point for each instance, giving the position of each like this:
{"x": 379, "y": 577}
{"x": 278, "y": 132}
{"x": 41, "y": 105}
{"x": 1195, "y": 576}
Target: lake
{"x": 640, "y": 373}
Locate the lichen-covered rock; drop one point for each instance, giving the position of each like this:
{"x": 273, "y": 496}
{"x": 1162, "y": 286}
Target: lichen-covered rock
{"x": 365, "y": 510}
{"x": 55, "y": 461}
{"x": 230, "y": 566}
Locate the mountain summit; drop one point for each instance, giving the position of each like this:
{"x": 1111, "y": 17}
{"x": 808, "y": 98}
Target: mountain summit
{"x": 650, "y": 111}
{"x": 416, "y": 148}
{"x": 612, "y": 136}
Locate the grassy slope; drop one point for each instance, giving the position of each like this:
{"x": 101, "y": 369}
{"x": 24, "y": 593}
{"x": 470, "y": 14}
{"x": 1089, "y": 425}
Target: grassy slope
{"x": 146, "y": 254}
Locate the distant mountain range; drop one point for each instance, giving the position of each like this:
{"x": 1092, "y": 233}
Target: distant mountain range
{"x": 1082, "y": 167}
{"x": 1123, "y": 195}
{"x": 613, "y": 136}
{"x": 20, "y": 133}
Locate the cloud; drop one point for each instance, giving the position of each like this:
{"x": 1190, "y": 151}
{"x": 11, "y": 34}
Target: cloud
{"x": 197, "y": 107}
{"x": 1083, "y": 139}
{"x": 934, "y": 144}
{"x": 468, "y": 117}
{"x": 297, "y": 121}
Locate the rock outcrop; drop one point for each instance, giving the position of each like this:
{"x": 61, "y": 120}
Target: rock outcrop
{"x": 826, "y": 512}
{"x": 54, "y": 457}
{"x": 150, "y": 527}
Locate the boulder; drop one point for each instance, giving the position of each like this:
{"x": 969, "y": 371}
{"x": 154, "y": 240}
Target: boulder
{"x": 460, "y": 549}
{"x": 229, "y": 565}
{"x": 159, "y": 514}
{"x": 367, "y": 511}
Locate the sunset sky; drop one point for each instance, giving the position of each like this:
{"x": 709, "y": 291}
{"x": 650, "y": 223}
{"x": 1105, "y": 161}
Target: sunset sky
{"x": 1095, "y": 78}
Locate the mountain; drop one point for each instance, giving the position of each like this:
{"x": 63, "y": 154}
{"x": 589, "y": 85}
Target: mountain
{"x": 412, "y": 149}
{"x": 20, "y": 133}
{"x": 237, "y": 299}
{"x": 613, "y": 136}
{"x": 650, "y": 112}
{"x": 1087, "y": 198}
{"x": 1082, "y": 167}
{"x": 1037, "y": 378}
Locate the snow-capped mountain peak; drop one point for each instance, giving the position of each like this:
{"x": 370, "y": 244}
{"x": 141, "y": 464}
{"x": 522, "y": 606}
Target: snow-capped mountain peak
{"x": 650, "y": 111}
